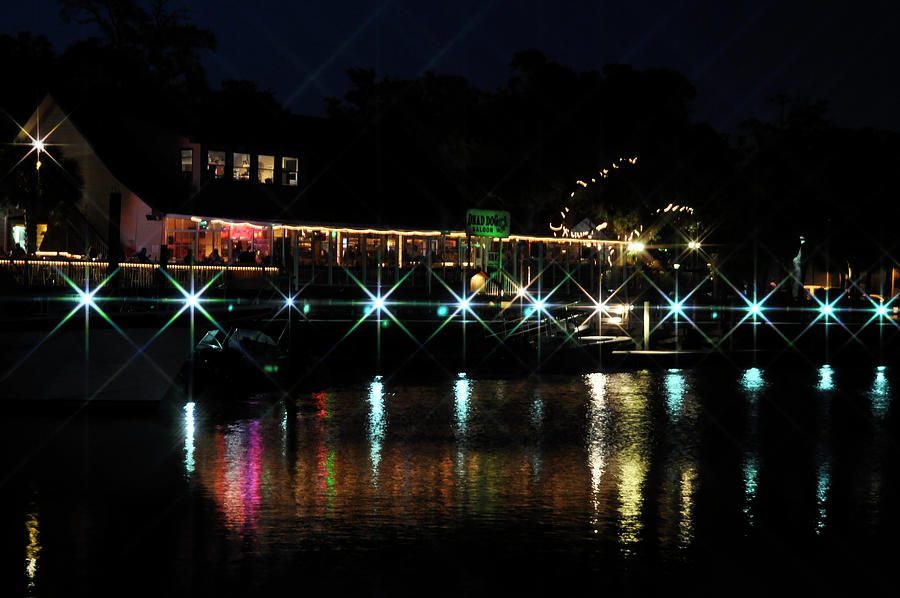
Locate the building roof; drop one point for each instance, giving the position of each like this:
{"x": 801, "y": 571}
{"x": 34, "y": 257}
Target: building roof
{"x": 142, "y": 153}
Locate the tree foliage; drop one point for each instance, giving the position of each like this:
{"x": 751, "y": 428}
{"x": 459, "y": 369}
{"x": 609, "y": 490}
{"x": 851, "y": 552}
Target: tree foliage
{"x": 161, "y": 40}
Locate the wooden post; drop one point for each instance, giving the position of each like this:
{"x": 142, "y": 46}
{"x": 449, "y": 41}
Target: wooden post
{"x": 364, "y": 257}
{"x": 428, "y": 265}
{"x": 378, "y": 264}
{"x": 646, "y": 325}
{"x": 330, "y": 258}
{"x": 397, "y": 254}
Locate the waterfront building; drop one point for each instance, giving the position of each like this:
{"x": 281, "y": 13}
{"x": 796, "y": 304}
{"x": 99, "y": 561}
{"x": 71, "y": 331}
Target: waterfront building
{"x": 150, "y": 196}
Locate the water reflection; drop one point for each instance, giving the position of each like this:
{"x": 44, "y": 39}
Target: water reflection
{"x": 461, "y": 393}
{"x": 237, "y": 475}
{"x": 674, "y": 392}
{"x": 489, "y": 451}
{"x": 633, "y": 426}
{"x": 32, "y": 550}
{"x": 752, "y": 383}
{"x": 825, "y": 378}
{"x": 686, "y": 522}
{"x": 377, "y": 424}
{"x": 537, "y": 425}
{"x": 880, "y": 393}
{"x": 750, "y": 475}
{"x": 596, "y": 441}
{"x": 574, "y": 474}
{"x": 681, "y": 461}
{"x": 325, "y": 453}
{"x": 189, "y": 439}
{"x": 823, "y": 485}
{"x": 823, "y": 453}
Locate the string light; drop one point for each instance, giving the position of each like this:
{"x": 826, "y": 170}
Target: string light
{"x": 562, "y": 230}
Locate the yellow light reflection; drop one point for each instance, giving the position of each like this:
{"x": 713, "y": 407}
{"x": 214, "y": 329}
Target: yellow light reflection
{"x": 686, "y": 523}
{"x": 33, "y": 549}
{"x": 634, "y": 458}
{"x": 631, "y": 482}
{"x": 596, "y": 445}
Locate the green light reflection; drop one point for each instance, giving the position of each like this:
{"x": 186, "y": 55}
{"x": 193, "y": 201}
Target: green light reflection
{"x": 752, "y": 380}
{"x": 880, "y": 393}
{"x": 826, "y": 381}
{"x": 461, "y": 392}
{"x": 823, "y": 485}
{"x": 189, "y": 439}
{"x": 675, "y": 389}
{"x": 377, "y": 424}
{"x": 751, "y": 477}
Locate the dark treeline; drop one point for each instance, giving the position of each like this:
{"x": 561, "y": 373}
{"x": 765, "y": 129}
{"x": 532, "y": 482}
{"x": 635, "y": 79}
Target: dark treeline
{"x": 423, "y": 150}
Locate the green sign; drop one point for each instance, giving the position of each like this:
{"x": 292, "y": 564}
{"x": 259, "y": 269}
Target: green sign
{"x": 487, "y": 223}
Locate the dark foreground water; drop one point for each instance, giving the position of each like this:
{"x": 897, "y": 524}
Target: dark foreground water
{"x": 721, "y": 481}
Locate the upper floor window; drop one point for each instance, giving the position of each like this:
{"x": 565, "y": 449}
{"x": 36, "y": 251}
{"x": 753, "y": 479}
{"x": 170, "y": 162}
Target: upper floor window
{"x": 266, "y": 169}
{"x": 241, "y": 170}
{"x": 187, "y": 164}
{"x": 216, "y": 164}
{"x": 289, "y": 171}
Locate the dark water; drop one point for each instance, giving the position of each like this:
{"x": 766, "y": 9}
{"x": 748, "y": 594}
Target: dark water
{"x": 719, "y": 481}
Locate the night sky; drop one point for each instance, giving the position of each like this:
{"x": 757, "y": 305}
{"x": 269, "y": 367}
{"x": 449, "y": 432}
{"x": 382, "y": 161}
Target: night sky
{"x": 738, "y": 54}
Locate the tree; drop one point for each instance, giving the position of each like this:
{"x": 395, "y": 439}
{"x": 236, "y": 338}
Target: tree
{"x": 163, "y": 41}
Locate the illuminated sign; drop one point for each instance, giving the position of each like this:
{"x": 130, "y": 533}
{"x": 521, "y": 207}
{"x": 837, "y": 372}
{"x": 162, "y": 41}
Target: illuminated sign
{"x": 487, "y": 223}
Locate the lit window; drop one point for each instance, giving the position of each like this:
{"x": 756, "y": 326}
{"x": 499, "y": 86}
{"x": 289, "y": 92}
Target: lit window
{"x": 241, "y": 167}
{"x": 266, "y": 169}
{"x": 41, "y": 231}
{"x": 216, "y": 164}
{"x": 19, "y": 235}
{"x": 289, "y": 171}
{"x": 187, "y": 164}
